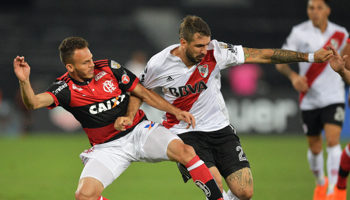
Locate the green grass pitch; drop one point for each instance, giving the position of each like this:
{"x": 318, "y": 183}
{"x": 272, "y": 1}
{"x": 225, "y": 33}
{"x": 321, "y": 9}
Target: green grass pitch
{"x": 48, "y": 167}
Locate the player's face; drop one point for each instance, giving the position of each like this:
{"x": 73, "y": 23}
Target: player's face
{"x": 197, "y": 48}
{"x": 318, "y": 12}
{"x": 83, "y": 67}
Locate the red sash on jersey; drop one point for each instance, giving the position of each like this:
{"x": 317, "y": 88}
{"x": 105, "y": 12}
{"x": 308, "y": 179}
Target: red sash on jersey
{"x": 186, "y": 102}
{"x": 317, "y": 68}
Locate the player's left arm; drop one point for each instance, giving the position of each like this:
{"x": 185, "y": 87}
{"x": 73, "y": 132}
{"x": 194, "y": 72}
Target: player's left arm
{"x": 156, "y": 101}
{"x": 275, "y": 56}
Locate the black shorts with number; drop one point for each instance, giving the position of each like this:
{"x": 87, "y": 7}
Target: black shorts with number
{"x": 314, "y": 120}
{"x": 220, "y": 148}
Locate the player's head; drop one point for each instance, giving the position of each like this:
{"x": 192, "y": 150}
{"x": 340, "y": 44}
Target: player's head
{"x": 77, "y": 58}
{"x": 318, "y": 12}
{"x": 194, "y": 37}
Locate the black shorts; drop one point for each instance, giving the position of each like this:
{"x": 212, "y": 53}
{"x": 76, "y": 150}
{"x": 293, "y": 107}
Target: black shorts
{"x": 220, "y": 148}
{"x": 314, "y": 120}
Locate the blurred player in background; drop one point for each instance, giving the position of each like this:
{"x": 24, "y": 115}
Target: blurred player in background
{"x": 321, "y": 90}
{"x": 189, "y": 75}
{"x": 97, "y": 94}
{"x": 341, "y": 65}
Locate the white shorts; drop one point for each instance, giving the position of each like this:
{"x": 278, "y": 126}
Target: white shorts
{"x": 148, "y": 142}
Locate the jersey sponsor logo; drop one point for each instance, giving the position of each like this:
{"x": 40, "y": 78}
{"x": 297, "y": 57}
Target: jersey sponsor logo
{"x": 115, "y": 65}
{"x": 100, "y": 75}
{"x": 106, "y": 105}
{"x": 108, "y": 86}
{"x": 76, "y": 87}
{"x": 60, "y": 88}
{"x": 188, "y": 89}
{"x": 203, "y": 70}
{"x": 125, "y": 79}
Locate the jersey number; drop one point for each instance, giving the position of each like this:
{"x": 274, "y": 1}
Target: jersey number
{"x": 240, "y": 155}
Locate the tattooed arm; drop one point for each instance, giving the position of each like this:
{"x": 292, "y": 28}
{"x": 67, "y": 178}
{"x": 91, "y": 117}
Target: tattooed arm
{"x": 283, "y": 56}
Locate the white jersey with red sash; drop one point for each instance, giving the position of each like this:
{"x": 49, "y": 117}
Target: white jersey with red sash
{"x": 195, "y": 89}
{"x": 326, "y": 87}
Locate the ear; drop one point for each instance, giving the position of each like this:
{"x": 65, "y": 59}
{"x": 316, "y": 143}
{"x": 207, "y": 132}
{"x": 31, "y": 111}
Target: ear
{"x": 70, "y": 68}
{"x": 328, "y": 11}
{"x": 183, "y": 42}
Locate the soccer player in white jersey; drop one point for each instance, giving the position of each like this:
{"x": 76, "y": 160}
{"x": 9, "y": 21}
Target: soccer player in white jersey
{"x": 321, "y": 90}
{"x": 189, "y": 75}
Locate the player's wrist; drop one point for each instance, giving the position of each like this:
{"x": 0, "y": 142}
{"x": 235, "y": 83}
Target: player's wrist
{"x": 311, "y": 57}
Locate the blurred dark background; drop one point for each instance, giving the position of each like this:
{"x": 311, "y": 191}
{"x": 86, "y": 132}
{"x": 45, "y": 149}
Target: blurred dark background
{"x": 117, "y": 29}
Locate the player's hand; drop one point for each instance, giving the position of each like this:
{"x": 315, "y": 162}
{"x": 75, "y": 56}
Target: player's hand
{"x": 300, "y": 83}
{"x": 21, "y": 68}
{"x": 336, "y": 61}
{"x": 186, "y": 117}
{"x": 121, "y": 123}
{"x": 323, "y": 55}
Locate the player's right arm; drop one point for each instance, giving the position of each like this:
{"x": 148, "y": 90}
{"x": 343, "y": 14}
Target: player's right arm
{"x": 299, "y": 82}
{"x": 31, "y": 100}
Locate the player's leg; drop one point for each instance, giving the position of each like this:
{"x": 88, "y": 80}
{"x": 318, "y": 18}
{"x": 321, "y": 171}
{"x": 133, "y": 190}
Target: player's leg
{"x": 162, "y": 144}
{"x": 332, "y": 118}
{"x": 94, "y": 178}
{"x": 332, "y": 133}
{"x": 313, "y": 126}
{"x": 241, "y": 183}
{"x": 344, "y": 168}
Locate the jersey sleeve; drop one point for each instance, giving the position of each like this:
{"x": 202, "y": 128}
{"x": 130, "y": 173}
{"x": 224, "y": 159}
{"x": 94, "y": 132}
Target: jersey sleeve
{"x": 227, "y": 55}
{"x": 291, "y": 42}
{"x": 60, "y": 92}
{"x": 126, "y": 79}
{"x": 150, "y": 78}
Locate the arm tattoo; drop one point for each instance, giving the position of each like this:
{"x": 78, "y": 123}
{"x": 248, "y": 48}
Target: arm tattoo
{"x": 252, "y": 53}
{"x": 286, "y": 56}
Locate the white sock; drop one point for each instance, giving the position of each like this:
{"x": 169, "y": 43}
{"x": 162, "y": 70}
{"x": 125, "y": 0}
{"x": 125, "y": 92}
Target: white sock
{"x": 316, "y": 166}
{"x": 231, "y": 196}
{"x": 333, "y": 161}
{"x": 224, "y": 195}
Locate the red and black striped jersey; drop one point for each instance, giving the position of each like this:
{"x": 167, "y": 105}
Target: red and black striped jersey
{"x": 98, "y": 102}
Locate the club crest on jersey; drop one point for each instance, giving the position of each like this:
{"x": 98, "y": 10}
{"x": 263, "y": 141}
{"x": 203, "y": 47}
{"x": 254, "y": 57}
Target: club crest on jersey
{"x": 125, "y": 79}
{"x": 108, "y": 86}
{"x": 115, "y": 65}
{"x": 203, "y": 70}
{"x": 335, "y": 43}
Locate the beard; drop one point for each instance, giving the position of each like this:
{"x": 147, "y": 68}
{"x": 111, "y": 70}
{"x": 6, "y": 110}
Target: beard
{"x": 193, "y": 59}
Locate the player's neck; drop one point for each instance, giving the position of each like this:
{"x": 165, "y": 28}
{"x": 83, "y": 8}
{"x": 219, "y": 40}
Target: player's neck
{"x": 322, "y": 26}
{"x": 180, "y": 52}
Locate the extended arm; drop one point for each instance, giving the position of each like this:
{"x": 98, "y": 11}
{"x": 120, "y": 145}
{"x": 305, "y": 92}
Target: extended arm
{"x": 283, "y": 56}
{"x": 30, "y": 99}
{"x": 156, "y": 101}
{"x": 346, "y": 51}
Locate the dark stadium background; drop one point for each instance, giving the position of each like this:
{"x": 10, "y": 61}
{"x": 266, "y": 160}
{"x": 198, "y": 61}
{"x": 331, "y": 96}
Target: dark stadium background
{"x": 115, "y": 29}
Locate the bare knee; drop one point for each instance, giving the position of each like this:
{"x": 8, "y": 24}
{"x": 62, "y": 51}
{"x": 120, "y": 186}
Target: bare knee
{"x": 241, "y": 183}
{"x": 88, "y": 189}
{"x": 180, "y": 152}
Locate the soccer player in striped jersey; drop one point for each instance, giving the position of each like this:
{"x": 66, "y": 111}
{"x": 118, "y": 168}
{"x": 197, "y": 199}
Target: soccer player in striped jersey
{"x": 97, "y": 94}
{"x": 321, "y": 90}
{"x": 189, "y": 75}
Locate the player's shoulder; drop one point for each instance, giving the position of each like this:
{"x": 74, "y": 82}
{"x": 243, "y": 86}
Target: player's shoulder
{"x": 337, "y": 27}
{"x": 161, "y": 58}
{"x": 64, "y": 79}
{"x": 302, "y": 27}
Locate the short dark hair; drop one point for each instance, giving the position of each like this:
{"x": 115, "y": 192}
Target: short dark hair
{"x": 192, "y": 24}
{"x": 68, "y": 46}
{"x": 327, "y": 2}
